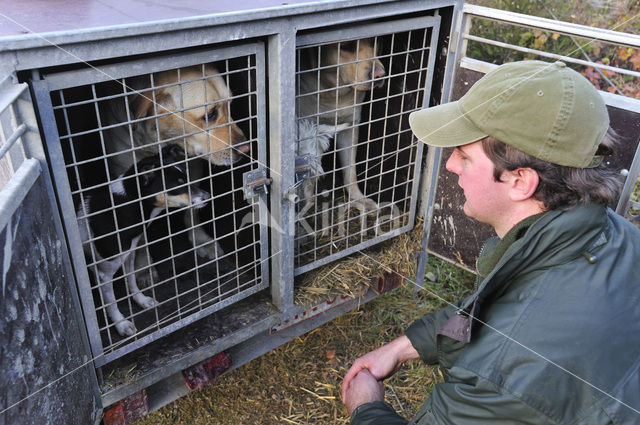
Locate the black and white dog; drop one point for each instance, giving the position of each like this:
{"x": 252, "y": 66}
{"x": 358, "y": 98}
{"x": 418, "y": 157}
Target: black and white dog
{"x": 112, "y": 220}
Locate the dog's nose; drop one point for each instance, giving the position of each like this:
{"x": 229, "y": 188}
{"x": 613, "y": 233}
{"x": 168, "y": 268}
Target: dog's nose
{"x": 242, "y": 147}
{"x": 377, "y": 73}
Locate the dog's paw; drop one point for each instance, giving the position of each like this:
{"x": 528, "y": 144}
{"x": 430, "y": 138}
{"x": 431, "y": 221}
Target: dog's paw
{"x": 211, "y": 251}
{"x": 144, "y": 302}
{"x": 125, "y": 328}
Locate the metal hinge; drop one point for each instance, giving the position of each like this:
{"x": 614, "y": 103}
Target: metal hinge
{"x": 255, "y": 183}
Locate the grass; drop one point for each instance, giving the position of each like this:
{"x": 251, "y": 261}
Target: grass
{"x": 299, "y": 382}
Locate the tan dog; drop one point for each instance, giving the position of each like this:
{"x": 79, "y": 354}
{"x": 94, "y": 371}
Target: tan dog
{"x": 189, "y": 107}
{"x": 333, "y": 84}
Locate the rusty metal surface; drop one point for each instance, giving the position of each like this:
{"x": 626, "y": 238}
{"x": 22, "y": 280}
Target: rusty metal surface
{"x": 458, "y": 238}
{"x": 41, "y": 16}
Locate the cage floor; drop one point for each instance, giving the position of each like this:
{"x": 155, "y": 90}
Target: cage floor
{"x": 166, "y": 351}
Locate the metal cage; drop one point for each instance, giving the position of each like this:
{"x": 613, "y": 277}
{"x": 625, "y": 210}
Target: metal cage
{"x": 200, "y": 245}
{"x": 357, "y": 163}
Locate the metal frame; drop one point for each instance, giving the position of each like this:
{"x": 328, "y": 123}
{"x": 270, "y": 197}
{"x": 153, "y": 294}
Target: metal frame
{"x": 367, "y": 235}
{"x": 42, "y": 54}
{"x": 457, "y": 57}
{"x": 53, "y": 82}
{"x": 29, "y": 183}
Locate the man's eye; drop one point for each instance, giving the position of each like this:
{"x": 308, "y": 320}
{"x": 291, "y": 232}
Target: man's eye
{"x": 213, "y": 114}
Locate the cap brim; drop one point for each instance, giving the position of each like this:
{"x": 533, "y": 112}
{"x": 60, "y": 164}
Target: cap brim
{"x": 444, "y": 125}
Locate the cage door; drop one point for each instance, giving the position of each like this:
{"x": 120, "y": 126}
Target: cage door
{"x": 355, "y": 88}
{"x": 149, "y": 157}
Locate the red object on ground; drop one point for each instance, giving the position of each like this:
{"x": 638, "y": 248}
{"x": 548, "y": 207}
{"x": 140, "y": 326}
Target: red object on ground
{"x": 206, "y": 372}
{"x": 127, "y": 410}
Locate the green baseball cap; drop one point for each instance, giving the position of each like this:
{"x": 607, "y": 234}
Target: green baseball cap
{"x": 544, "y": 109}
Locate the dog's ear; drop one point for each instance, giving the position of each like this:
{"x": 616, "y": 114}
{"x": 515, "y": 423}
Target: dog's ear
{"x": 145, "y": 172}
{"x": 175, "y": 151}
{"x": 144, "y": 107}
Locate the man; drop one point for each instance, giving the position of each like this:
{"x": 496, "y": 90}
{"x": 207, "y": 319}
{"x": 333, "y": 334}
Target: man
{"x": 552, "y": 334}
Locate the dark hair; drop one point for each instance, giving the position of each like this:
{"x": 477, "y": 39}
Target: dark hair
{"x": 560, "y": 187}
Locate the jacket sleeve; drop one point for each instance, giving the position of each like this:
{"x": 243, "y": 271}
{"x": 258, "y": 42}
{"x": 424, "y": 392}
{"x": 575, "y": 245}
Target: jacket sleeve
{"x": 423, "y": 333}
{"x": 466, "y": 399}
{"x": 378, "y": 413}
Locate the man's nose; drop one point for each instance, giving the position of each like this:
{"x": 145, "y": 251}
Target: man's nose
{"x": 453, "y": 165}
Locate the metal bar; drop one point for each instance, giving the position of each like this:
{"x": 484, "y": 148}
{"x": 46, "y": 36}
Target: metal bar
{"x": 282, "y": 130}
{"x": 624, "y": 202}
{"x": 111, "y": 354}
{"x": 49, "y": 130}
{"x": 552, "y": 55}
{"x": 352, "y": 249}
{"x": 10, "y": 94}
{"x": 366, "y": 30}
{"x": 568, "y": 28}
{"x": 146, "y": 66}
{"x": 17, "y": 188}
{"x": 22, "y": 128}
{"x": 429, "y": 183}
{"x": 611, "y": 99}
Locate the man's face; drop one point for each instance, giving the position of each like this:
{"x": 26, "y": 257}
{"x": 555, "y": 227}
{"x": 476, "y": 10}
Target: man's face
{"x": 486, "y": 199}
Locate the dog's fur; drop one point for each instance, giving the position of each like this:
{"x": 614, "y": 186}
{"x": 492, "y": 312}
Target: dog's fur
{"x": 312, "y": 141}
{"x": 347, "y": 70}
{"x": 183, "y": 109}
{"x": 195, "y": 112}
{"x": 112, "y": 221}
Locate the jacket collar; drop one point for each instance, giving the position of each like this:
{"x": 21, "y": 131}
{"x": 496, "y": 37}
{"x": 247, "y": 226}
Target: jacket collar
{"x": 555, "y": 238}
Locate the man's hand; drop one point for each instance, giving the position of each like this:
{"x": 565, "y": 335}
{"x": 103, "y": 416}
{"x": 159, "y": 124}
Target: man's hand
{"x": 363, "y": 389}
{"x": 380, "y": 363}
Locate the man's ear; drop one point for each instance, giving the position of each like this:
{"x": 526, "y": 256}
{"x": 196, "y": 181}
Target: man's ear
{"x": 523, "y": 183}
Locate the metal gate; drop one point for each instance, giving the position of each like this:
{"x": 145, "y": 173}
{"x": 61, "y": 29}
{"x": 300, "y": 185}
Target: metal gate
{"x": 149, "y": 157}
{"x": 358, "y": 163}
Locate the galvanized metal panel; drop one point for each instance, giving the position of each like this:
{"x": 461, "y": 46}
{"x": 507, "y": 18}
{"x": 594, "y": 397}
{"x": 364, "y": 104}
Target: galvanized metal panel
{"x": 45, "y": 362}
{"x": 43, "y": 366}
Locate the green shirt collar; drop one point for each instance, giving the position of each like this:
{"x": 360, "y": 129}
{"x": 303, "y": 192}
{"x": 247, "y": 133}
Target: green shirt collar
{"x": 495, "y": 247}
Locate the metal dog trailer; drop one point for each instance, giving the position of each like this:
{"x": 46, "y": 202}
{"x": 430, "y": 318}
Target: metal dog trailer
{"x": 215, "y": 310}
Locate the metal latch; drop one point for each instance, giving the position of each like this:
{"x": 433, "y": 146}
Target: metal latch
{"x": 255, "y": 183}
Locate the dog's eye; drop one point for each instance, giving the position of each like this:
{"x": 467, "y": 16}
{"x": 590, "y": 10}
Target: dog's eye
{"x": 213, "y": 114}
{"x": 349, "y": 46}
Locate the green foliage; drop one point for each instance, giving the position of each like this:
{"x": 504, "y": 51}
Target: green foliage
{"x": 623, "y": 15}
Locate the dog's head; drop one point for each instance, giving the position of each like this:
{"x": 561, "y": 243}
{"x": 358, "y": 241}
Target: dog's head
{"x": 163, "y": 178}
{"x": 193, "y": 104}
{"x": 357, "y": 62}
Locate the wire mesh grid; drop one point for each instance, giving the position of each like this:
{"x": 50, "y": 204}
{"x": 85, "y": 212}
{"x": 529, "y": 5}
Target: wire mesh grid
{"x": 353, "y": 101}
{"x": 155, "y": 166}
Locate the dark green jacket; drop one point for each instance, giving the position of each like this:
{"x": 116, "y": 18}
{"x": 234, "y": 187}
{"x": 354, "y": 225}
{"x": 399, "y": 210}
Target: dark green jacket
{"x": 557, "y": 340}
